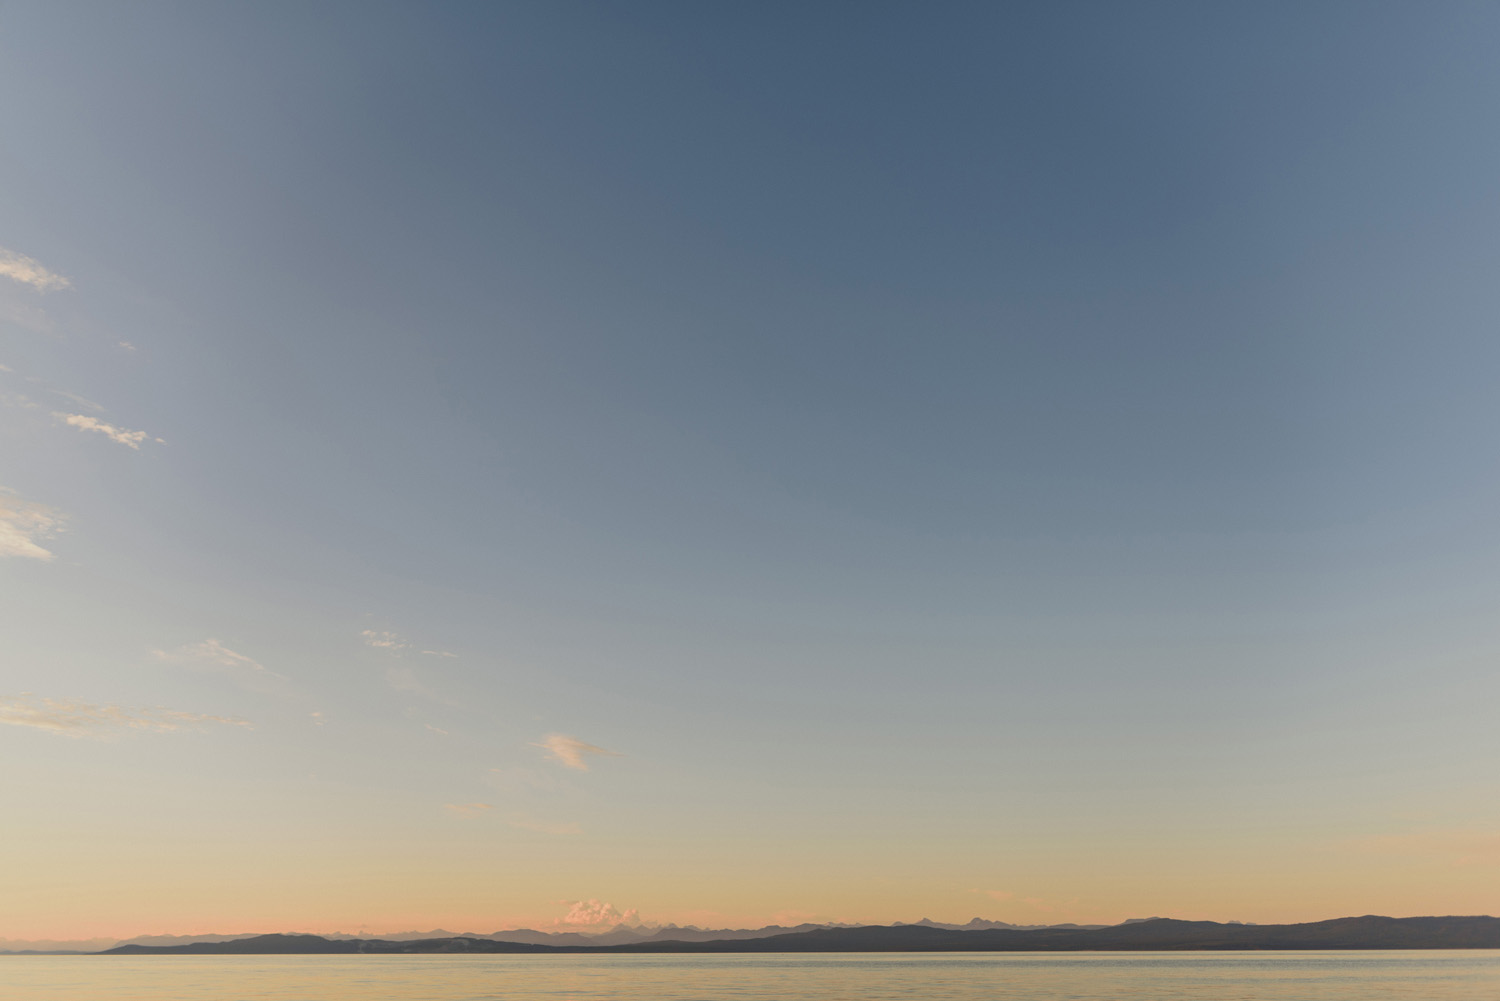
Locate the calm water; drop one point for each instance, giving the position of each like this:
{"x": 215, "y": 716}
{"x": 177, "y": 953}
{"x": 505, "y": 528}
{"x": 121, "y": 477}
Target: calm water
{"x": 1262, "y": 976}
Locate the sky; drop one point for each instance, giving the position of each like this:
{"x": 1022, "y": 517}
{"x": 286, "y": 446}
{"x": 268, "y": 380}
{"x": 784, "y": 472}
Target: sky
{"x": 544, "y": 464}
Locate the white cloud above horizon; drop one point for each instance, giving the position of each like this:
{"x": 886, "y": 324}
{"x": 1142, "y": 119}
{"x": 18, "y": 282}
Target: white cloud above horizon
{"x": 29, "y": 271}
{"x": 570, "y": 751}
{"x": 72, "y": 718}
{"x": 83, "y": 422}
{"x": 595, "y": 913}
{"x": 24, "y": 525}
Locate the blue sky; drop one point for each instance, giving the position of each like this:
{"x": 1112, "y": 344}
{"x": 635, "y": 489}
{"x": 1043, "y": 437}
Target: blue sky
{"x": 1021, "y": 460}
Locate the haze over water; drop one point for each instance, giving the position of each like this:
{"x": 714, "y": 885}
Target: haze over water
{"x": 1262, "y": 976}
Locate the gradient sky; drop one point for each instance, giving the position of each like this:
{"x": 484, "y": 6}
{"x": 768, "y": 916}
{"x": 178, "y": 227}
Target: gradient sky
{"x": 746, "y": 462}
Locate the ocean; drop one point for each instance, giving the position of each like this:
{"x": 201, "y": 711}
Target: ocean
{"x": 1176, "y": 976}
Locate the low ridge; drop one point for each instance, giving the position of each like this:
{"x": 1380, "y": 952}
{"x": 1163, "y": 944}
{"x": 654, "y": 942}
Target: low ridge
{"x": 1157, "y": 934}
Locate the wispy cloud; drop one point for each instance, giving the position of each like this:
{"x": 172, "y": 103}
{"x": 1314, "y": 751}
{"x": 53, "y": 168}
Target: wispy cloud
{"x": 468, "y": 809}
{"x": 210, "y": 651}
{"x": 383, "y": 639}
{"x": 23, "y": 526}
{"x": 71, "y": 718}
{"x": 29, "y": 271}
{"x": 318, "y": 717}
{"x": 404, "y": 679}
{"x": 436, "y": 729}
{"x": 26, "y": 315}
{"x": 83, "y": 422}
{"x": 211, "y": 655}
{"x": 79, "y": 401}
{"x": 571, "y": 751}
{"x": 394, "y": 643}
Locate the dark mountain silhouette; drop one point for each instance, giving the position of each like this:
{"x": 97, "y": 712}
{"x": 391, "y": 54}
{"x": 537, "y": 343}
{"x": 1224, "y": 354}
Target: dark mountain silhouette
{"x": 1368, "y": 932}
{"x": 628, "y": 935}
{"x": 615, "y": 935}
{"x": 976, "y": 924}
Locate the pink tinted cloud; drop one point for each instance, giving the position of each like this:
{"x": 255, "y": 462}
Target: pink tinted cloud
{"x": 570, "y": 751}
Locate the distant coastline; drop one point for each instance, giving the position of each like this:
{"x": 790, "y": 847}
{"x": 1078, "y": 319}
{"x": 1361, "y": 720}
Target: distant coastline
{"x": 1157, "y": 934}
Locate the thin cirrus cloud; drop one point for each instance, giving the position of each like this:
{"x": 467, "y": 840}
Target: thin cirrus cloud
{"x": 468, "y": 809}
{"x": 79, "y": 401}
{"x": 393, "y": 642}
{"x": 211, "y": 655}
{"x": 383, "y": 639}
{"x": 71, "y": 718}
{"x": 211, "y": 651}
{"x": 24, "y": 525}
{"x": 400, "y": 677}
{"x": 18, "y": 400}
{"x": 83, "y": 422}
{"x": 26, "y": 316}
{"x": 29, "y": 271}
{"x": 404, "y": 679}
{"x": 571, "y": 752}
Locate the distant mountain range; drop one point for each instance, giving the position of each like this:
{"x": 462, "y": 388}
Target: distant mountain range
{"x": 1155, "y": 934}
{"x": 616, "y": 935}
